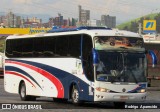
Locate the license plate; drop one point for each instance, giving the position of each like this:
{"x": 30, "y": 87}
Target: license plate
{"x": 123, "y": 97}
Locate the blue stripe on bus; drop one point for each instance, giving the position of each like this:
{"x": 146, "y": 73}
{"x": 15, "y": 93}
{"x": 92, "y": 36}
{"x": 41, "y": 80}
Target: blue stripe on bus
{"x": 15, "y": 69}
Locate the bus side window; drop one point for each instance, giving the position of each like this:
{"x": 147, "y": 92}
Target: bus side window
{"x": 17, "y": 50}
{"x": 74, "y": 46}
{"x": 49, "y": 46}
{"x": 8, "y": 51}
{"x": 62, "y": 46}
{"x": 38, "y": 47}
{"x": 27, "y": 50}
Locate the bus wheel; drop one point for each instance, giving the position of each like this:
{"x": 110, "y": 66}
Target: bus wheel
{"x": 22, "y": 93}
{"x": 75, "y": 96}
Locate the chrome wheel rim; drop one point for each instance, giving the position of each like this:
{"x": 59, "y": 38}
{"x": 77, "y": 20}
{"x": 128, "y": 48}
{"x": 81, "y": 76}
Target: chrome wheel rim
{"x": 75, "y": 96}
{"x": 23, "y": 91}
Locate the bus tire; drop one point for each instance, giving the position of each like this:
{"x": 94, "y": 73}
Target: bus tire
{"x": 22, "y": 93}
{"x": 75, "y": 96}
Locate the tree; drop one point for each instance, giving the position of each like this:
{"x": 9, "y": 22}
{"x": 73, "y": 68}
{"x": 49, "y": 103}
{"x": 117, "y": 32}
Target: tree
{"x": 134, "y": 26}
{"x": 157, "y": 18}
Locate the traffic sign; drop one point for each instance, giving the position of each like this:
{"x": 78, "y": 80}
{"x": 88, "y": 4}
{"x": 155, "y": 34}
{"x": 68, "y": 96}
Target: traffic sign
{"x": 149, "y": 26}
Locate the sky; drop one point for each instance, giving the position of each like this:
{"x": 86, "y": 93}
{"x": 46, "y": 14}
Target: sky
{"x": 124, "y": 10}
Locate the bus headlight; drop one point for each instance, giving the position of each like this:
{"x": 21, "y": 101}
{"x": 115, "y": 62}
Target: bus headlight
{"x": 141, "y": 91}
{"x": 102, "y": 89}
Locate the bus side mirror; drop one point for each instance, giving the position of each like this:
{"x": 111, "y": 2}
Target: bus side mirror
{"x": 154, "y": 58}
{"x": 95, "y": 57}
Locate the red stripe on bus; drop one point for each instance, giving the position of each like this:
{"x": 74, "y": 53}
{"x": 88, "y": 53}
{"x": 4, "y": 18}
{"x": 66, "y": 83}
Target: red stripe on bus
{"x": 17, "y": 74}
{"x": 48, "y": 75}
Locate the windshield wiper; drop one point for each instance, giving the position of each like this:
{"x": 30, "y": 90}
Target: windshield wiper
{"x": 123, "y": 47}
{"x": 133, "y": 75}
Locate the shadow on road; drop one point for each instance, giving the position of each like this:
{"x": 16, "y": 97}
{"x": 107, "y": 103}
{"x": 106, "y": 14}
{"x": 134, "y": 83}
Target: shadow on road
{"x": 49, "y": 104}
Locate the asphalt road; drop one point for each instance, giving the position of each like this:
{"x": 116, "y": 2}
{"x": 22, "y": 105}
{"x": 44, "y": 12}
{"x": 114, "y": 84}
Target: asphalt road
{"x": 14, "y": 99}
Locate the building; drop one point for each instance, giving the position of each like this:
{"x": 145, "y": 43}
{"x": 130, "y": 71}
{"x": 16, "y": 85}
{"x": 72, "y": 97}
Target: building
{"x": 109, "y": 21}
{"x": 57, "y": 21}
{"x": 18, "y": 21}
{"x": 94, "y": 23}
{"x": 2, "y": 19}
{"x": 60, "y": 21}
{"x": 72, "y": 22}
{"x": 34, "y": 19}
{"x": 84, "y": 16}
{"x": 33, "y": 22}
{"x": 50, "y": 23}
{"x": 31, "y": 25}
{"x": 10, "y": 20}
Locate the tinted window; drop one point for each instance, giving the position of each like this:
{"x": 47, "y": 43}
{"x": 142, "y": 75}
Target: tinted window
{"x": 17, "y": 49}
{"x": 49, "y": 46}
{"x": 9, "y": 48}
{"x": 61, "y": 46}
{"x": 38, "y": 47}
{"x": 27, "y": 50}
{"x": 74, "y": 46}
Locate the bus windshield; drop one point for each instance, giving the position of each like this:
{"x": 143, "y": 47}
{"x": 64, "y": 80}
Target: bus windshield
{"x": 121, "y": 67}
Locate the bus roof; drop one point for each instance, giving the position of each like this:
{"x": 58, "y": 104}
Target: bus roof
{"x": 93, "y": 31}
{"x": 55, "y": 29}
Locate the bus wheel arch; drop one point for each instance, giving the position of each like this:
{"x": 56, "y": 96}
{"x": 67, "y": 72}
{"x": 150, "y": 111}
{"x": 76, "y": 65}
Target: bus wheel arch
{"x": 22, "y": 92}
{"x": 70, "y": 89}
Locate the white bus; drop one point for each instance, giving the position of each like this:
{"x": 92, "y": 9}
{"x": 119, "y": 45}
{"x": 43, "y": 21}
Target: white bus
{"x": 81, "y": 64}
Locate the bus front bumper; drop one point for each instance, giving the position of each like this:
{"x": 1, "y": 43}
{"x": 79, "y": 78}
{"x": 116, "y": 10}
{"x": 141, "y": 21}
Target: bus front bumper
{"x": 120, "y": 97}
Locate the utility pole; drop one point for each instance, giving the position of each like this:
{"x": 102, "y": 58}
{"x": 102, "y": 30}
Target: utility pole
{"x": 140, "y": 28}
